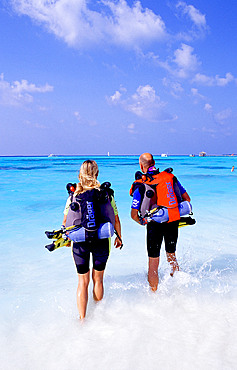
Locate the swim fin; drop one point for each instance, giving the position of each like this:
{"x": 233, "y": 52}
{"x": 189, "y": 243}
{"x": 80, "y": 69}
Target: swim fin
{"x": 61, "y": 238}
{"x": 185, "y": 221}
{"x": 61, "y": 242}
{"x": 57, "y": 234}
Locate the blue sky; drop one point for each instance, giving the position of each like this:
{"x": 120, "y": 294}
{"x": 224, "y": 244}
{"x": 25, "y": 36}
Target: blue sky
{"x": 88, "y": 77}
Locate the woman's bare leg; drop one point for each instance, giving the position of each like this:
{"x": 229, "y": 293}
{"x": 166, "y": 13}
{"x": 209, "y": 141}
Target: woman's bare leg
{"x": 82, "y": 293}
{"x": 98, "y": 289}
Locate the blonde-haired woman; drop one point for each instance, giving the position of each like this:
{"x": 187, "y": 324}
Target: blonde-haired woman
{"x": 98, "y": 248}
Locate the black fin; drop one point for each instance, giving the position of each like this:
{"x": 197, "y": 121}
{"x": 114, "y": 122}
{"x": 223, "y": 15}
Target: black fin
{"x": 184, "y": 221}
{"x": 50, "y": 247}
{"x": 55, "y": 234}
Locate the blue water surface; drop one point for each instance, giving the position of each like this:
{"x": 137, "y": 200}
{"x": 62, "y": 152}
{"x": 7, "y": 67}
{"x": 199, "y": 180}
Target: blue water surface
{"x": 37, "y": 288}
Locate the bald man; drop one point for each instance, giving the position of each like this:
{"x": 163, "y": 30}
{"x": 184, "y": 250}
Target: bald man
{"x": 156, "y": 232}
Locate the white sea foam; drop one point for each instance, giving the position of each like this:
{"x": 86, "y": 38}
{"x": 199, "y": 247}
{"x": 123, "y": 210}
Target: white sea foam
{"x": 189, "y": 323}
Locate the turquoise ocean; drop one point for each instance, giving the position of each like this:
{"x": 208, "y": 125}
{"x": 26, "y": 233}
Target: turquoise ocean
{"x": 190, "y": 323}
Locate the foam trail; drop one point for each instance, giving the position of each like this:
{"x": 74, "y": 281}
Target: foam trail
{"x": 130, "y": 328}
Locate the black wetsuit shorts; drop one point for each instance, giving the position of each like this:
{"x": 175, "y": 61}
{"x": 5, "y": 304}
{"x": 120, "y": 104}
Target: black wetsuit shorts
{"x": 81, "y": 253}
{"x": 156, "y": 232}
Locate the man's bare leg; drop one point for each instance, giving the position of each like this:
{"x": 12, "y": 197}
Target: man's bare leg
{"x": 171, "y": 258}
{"x": 153, "y": 277}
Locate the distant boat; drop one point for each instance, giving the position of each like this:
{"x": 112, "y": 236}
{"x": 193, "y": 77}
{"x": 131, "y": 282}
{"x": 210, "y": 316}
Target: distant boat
{"x": 191, "y": 155}
{"x": 202, "y": 154}
{"x": 51, "y": 155}
{"x": 164, "y": 155}
{"x": 108, "y": 154}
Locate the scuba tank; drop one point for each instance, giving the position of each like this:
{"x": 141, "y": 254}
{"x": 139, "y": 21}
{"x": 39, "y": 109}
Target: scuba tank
{"x": 161, "y": 197}
{"x": 92, "y": 213}
{"x": 161, "y": 214}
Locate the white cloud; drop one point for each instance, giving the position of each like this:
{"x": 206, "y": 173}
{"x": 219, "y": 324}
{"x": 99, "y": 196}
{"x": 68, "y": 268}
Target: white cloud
{"x": 183, "y": 64}
{"x": 42, "y": 108}
{"x": 111, "y": 22}
{"x": 196, "y": 94}
{"x": 203, "y": 79}
{"x": 19, "y": 92}
{"x": 213, "y": 81}
{"x": 144, "y": 103}
{"x": 150, "y": 56}
{"x": 131, "y": 128}
{"x": 223, "y": 81}
{"x": 176, "y": 88}
{"x": 186, "y": 61}
{"x": 209, "y": 130}
{"x": 116, "y": 97}
{"x": 82, "y": 121}
{"x": 208, "y": 107}
{"x": 223, "y": 116}
{"x": 24, "y": 86}
{"x": 194, "y": 14}
{"x": 36, "y": 125}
